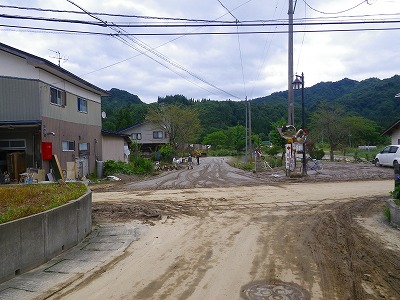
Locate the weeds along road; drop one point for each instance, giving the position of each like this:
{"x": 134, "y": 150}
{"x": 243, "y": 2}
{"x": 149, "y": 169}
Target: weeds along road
{"x": 316, "y": 240}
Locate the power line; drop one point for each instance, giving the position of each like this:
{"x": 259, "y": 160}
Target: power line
{"x": 67, "y": 31}
{"x": 339, "y": 12}
{"x": 149, "y": 49}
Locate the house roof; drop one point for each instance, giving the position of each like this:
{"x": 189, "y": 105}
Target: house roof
{"x": 132, "y": 126}
{"x": 48, "y": 66}
{"x": 115, "y": 133}
{"x": 391, "y": 128}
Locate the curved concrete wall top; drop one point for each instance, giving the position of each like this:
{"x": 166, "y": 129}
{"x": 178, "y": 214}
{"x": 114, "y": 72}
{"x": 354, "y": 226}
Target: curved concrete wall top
{"x": 29, "y": 242}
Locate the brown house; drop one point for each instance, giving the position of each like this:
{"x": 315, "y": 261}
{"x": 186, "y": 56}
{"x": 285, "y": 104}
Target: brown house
{"x": 46, "y": 112}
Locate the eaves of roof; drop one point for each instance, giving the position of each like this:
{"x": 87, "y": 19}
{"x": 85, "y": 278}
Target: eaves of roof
{"x": 392, "y": 127}
{"x": 114, "y": 133}
{"x": 48, "y": 66}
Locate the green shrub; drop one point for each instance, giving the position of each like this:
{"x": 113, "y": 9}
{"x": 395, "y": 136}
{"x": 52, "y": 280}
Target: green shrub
{"x": 142, "y": 166}
{"x": 396, "y": 193}
{"x": 274, "y": 150}
{"x": 112, "y": 167}
{"x": 222, "y": 152}
{"x": 386, "y": 213}
{"x": 317, "y": 153}
{"x": 273, "y": 161}
{"x": 167, "y": 153}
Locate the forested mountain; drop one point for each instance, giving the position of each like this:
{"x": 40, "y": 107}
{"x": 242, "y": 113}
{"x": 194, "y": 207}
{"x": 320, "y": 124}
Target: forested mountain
{"x": 371, "y": 98}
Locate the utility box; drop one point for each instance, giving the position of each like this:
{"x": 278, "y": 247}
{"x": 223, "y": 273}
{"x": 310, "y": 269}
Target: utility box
{"x": 47, "y": 150}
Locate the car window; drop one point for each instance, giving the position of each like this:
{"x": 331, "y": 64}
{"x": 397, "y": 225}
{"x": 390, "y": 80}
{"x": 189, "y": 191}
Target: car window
{"x": 393, "y": 149}
{"x": 386, "y": 149}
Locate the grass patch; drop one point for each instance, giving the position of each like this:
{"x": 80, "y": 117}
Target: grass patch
{"x": 18, "y": 201}
{"x": 386, "y": 213}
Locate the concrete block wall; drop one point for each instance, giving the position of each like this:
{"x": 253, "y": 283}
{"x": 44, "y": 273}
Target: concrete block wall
{"x": 394, "y": 212}
{"x": 29, "y": 242}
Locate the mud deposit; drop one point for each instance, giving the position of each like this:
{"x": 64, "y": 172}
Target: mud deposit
{"x": 216, "y": 232}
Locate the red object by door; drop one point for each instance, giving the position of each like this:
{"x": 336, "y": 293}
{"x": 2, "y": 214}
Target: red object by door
{"x": 47, "y": 150}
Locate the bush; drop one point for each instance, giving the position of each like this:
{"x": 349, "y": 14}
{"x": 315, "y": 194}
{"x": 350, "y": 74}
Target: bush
{"x": 386, "y": 213}
{"x": 112, "y": 167}
{"x": 396, "y": 193}
{"x": 222, "y": 152}
{"x": 167, "y": 153}
{"x": 317, "y": 153}
{"x": 274, "y": 150}
{"x": 274, "y": 161}
{"x": 142, "y": 166}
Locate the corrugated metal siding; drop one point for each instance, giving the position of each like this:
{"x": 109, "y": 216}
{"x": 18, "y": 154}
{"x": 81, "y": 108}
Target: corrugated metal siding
{"x": 70, "y": 112}
{"x": 19, "y": 99}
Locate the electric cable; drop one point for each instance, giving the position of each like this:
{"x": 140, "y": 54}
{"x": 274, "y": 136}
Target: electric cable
{"x": 143, "y": 45}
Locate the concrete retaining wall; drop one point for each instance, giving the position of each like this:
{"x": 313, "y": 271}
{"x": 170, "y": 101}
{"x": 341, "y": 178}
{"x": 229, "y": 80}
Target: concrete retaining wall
{"x": 29, "y": 242}
{"x": 394, "y": 212}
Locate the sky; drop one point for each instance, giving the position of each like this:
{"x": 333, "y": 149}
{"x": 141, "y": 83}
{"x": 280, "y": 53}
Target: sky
{"x": 208, "y": 62}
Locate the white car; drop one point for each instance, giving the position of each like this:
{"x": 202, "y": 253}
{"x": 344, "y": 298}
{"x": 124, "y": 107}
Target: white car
{"x": 389, "y": 156}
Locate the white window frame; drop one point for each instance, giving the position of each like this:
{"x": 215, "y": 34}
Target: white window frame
{"x": 82, "y": 105}
{"x": 84, "y": 146}
{"x": 59, "y": 99}
{"x": 68, "y": 146}
{"x": 158, "y": 135}
{"x": 136, "y": 136}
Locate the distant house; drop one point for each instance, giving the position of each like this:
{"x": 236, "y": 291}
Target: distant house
{"x": 44, "y": 111}
{"x": 394, "y": 132}
{"x": 148, "y": 135}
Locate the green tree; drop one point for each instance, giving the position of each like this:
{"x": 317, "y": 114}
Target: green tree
{"x": 276, "y": 139}
{"x": 236, "y": 138}
{"x": 217, "y": 139}
{"x": 362, "y": 131}
{"x": 327, "y": 121}
{"x": 181, "y": 123}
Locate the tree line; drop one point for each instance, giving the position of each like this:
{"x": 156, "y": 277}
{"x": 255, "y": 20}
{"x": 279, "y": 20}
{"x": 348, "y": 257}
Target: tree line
{"x": 341, "y": 114}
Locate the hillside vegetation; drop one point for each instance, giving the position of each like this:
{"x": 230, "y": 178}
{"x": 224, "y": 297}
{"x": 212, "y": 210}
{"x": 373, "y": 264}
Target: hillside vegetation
{"x": 372, "y": 99}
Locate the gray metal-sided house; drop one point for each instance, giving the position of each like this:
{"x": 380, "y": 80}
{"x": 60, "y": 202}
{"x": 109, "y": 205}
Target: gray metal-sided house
{"x": 46, "y": 112}
{"x": 148, "y": 135}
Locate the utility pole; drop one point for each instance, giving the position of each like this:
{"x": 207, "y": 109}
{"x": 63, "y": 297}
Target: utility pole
{"x": 290, "y": 66}
{"x": 247, "y": 139}
{"x": 250, "y": 144}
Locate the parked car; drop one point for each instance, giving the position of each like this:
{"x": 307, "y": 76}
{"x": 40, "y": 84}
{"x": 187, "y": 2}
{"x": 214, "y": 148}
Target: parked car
{"x": 389, "y": 156}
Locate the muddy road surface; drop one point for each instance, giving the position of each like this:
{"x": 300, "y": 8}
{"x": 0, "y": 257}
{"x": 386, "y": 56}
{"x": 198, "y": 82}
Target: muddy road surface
{"x": 218, "y": 233}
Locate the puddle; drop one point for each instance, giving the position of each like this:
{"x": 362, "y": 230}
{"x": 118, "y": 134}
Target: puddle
{"x": 264, "y": 290}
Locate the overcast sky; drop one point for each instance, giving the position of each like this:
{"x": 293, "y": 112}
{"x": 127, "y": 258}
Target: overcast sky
{"x": 212, "y": 66}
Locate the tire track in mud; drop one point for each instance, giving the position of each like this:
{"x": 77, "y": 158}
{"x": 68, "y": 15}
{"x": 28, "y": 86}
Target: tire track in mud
{"x": 352, "y": 264}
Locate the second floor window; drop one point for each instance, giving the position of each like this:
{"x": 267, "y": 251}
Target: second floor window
{"x": 82, "y": 105}
{"x": 158, "y": 135}
{"x": 136, "y": 136}
{"x": 57, "y": 96}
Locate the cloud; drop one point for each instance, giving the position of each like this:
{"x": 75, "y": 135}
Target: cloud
{"x": 251, "y": 65}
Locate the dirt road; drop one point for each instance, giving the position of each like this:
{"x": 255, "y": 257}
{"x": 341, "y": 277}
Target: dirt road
{"x": 298, "y": 240}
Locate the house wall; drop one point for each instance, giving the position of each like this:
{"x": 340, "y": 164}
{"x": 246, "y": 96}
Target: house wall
{"x": 70, "y": 112}
{"x": 19, "y": 99}
{"x": 73, "y": 132}
{"x": 396, "y": 136}
{"x": 146, "y": 129}
{"x": 25, "y": 96}
{"x": 15, "y": 66}
{"x": 113, "y": 148}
